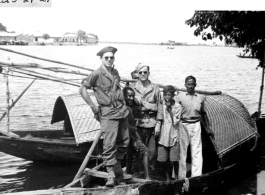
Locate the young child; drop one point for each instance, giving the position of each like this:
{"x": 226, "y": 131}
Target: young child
{"x": 167, "y": 133}
{"x": 135, "y": 145}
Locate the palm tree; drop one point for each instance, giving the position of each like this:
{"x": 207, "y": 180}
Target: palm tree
{"x": 81, "y": 35}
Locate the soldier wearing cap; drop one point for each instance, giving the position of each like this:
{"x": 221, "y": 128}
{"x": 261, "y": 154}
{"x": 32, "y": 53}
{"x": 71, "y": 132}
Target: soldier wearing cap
{"x": 112, "y": 112}
{"x": 147, "y": 98}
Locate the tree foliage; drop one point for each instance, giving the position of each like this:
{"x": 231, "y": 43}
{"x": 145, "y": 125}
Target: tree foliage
{"x": 46, "y": 36}
{"x": 2, "y": 27}
{"x": 81, "y": 35}
{"x": 243, "y": 28}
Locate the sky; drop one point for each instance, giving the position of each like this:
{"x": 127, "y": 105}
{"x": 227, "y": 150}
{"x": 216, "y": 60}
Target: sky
{"x": 145, "y": 21}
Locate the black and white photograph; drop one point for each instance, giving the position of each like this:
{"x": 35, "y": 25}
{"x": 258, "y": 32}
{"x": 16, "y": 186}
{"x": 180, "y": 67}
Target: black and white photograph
{"x": 101, "y": 97}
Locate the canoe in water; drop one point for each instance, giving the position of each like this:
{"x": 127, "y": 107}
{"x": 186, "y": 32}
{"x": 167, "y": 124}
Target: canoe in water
{"x": 246, "y": 57}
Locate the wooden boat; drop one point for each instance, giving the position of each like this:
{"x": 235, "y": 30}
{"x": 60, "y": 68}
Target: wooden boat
{"x": 241, "y": 56}
{"x": 229, "y": 136}
{"x": 57, "y": 146}
{"x": 47, "y": 146}
{"x": 195, "y": 185}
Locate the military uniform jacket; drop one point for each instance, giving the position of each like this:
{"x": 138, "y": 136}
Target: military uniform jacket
{"x": 148, "y": 102}
{"x": 107, "y": 92}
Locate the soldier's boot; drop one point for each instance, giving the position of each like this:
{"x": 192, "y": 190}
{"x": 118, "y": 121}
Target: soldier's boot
{"x": 146, "y": 165}
{"x": 111, "y": 177}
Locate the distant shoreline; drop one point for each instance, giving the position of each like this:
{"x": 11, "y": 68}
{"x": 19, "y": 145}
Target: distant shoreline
{"x": 138, "y": 43}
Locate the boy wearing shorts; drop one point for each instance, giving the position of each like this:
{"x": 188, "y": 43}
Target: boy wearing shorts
{"x": 167, "y": 133}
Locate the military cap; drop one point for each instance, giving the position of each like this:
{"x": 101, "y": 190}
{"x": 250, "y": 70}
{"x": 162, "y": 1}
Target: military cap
{"x": 140, "y": 66}
{"x": 105, "y": 50}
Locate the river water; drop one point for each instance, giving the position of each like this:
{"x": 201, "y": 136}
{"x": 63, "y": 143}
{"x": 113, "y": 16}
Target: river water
{"x": 216, "y": 68}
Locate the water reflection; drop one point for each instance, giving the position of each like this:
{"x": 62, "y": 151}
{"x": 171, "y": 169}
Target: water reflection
{"x": 21, "y": 175}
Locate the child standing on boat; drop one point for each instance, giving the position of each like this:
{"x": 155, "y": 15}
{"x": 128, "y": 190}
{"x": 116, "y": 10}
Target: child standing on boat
{"x": 135, "y": 145}
{"x": 167, "y": 133}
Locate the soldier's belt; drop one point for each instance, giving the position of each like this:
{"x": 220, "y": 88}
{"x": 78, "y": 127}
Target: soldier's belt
{"x": 116, "y": 104}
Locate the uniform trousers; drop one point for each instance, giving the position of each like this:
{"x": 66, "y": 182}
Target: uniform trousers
{"x": 190, "y": 133}
{"x": 116, "y": 138}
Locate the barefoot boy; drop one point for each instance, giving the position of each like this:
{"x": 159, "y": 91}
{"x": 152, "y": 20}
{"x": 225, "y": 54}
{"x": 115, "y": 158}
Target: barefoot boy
{"x": 167, "y": 133}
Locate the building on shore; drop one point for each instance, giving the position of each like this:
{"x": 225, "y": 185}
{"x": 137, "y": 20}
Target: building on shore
{"x": 6, "y": 36}
{"x": 38, "y": 38}
{"x": 12, "y": 38}
{"x": 72, "y": 38}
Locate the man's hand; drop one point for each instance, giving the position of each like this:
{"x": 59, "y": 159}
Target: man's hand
{"x": 157, "y": 129}
{"x": 95, "y": 109}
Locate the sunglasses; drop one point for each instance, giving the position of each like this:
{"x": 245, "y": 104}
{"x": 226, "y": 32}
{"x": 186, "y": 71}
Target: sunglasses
{"x": 111, "y": 58}
{"x": 143, "y": 72}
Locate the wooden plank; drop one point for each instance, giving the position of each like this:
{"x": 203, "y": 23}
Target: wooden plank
{"x": 38, "y": 192}
{"x": 84, "y": 180}
{"x": 96, "y": 173}
{"x": 102, "y": 174}
{"x": 139, "y": 180}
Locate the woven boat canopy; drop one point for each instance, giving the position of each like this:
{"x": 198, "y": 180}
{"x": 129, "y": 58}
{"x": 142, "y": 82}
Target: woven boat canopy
{"x": 84, "y": 126}
{"x": 229, "y": 121}
{"x": 228, "y": 118}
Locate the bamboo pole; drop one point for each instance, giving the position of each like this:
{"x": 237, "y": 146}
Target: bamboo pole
{"x": 19, "y": 76}
{"x": 12, "y": 75}
{"x": 56, "y": 79}
{"x": 28, "y": 65}
{"x": 38, "y": 73}
{"x": 197, "y": 91}
{"x": 15, "y": 101}
{"x": 83, "y": 166}
{"x": 262, "y": 86}
{"x": 58, "y": 62}
{"x": 39, "y": 58}
{"x": 7, "y": 101}
{"x": 54, "y": 69}
{"x": 77, "y": 72}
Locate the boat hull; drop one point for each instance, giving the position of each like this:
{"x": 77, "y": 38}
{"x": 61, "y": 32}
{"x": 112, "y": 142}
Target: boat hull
{"x": 194, "y": 185}
{"x": 246, "y": 57}
{"x": 54, "y": 150}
